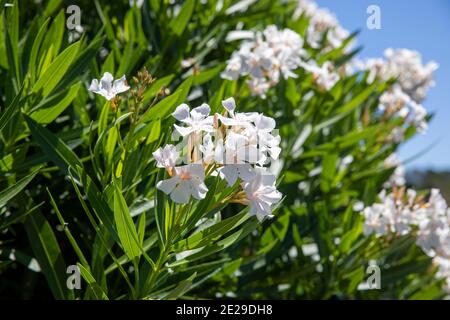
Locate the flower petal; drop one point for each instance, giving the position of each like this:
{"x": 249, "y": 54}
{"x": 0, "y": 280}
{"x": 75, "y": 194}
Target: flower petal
{"x": 229, "y": 104}
{"x": 181, "y": 112}
{"x": 181, "y": 193}
{"x": 168, "y": 185}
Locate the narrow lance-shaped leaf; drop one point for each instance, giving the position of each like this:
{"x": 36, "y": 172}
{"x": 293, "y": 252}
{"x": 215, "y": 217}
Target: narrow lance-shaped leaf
{"x": 10, "y": 192}
{"x": 54, "y": 147}
{"x": 125, "y": 226}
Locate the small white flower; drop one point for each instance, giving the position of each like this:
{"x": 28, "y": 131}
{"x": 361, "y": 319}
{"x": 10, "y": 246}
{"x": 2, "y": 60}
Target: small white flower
{"x": 197, "y": 119}
{"x": 166, "y": 157}
{"x": 398, "y": 178}
{"x": 376, "y": 221}
{"x": 262, "y": 193}
{"x": 187, "y": 181}
{"x": 264, "y": 57}
{"x": 108, "y": 87}
{"x": 324, "y": 76}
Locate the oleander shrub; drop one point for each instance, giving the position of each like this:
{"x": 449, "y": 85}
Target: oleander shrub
{"x": 209, "y": 149}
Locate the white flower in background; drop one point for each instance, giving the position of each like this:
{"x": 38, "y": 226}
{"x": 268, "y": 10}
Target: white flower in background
{"x": 376, "y": 220}
{"x": 262, "y": 193}
{"x": 430, "y": 220}
{"x": 166, "y": 157}
{"x": 413, "y": 76}
{"x": 376, "y": 67}
{"x": 413, "y": 81}
{"x": 395, "y": 213}
{"x": 264, "y": 57}
{"x": 187, "y": 181}
{"x": 398, "y": 176}
{"x": 434, "y": 229}
{"x": 396, "y": 102}
{"x": 324, "y": 76}
{"x": 322, "y": 23}
{"x": 197, "y": 119}
{"x": 137, "y": 3}
{"x": 108, "y": 87}
{"x": 305, "y": 7}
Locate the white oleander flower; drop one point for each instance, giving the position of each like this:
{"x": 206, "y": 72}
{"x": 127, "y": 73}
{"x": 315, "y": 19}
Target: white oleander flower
{"x": 324, "y": 23}
{"x": 324, "y": 76}
{"x": 306, "y": 7}
{"x": 434, "y": 229}
{"x": 413, "y": 76}
{"x": 237, "y": 120}
{"x": 262, "y": 193}
{"x": 108, "y": 87}
{"x": 234, "y": 144}
{"x": 396, "y": 102}
{"x": 264, "y": 57}
{"x": 395, "y": 213}
{"x": 406, "y": 66}
{"x": 196, "y": 120}
{"x": 166, "y": 157}
{"x": 430, "y": 220}
{"x": 376, "y": 220}
{"x": 252, "y": 132}
{"x": 397, "y": 178}
{"x": 187, "y": 181}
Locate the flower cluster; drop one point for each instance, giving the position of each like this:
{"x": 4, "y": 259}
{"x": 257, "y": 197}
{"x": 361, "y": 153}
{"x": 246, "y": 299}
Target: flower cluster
{"x": 397, "y": 103}
{"x": 264, "y": 57}
{"x": 321, "y": 23}
{"x": 234, "y": 146}
{"x": 402, "y": 212}
{"x": 413, "y": 76}
{"x": 413, "y": 80}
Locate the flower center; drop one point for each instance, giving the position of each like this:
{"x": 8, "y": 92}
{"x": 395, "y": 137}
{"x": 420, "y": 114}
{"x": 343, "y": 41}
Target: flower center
{"x": 185, "y": 175}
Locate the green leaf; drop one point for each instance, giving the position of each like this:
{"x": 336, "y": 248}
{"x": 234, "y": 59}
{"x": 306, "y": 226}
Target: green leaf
{"x": 125, "y": 226}
{"x": 11, "y": 110}
{"x": 208, "y": 235}
{"x": 96, "y": 288}
{"x": 55, "y": 72}
{"x": 181, "y": 288}
{"x": 178, "y": 25}
{"x": 11, "y": 43}
{"x": 328, "y": 171}
{"x": 53, "y": 146}
{"x": 47, "y": 252}
{"x": 49, "y": 110}
{"x": 162, "y": 108}
{"x": 10, "y": 192}
{"x": 207, "y": 75}
{"x": 33, "y": 61}
{"x": 155, "y": 133}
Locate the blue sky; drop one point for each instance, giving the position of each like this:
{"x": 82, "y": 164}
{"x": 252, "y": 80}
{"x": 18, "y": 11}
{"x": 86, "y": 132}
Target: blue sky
{"x": 423, "y": 26}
